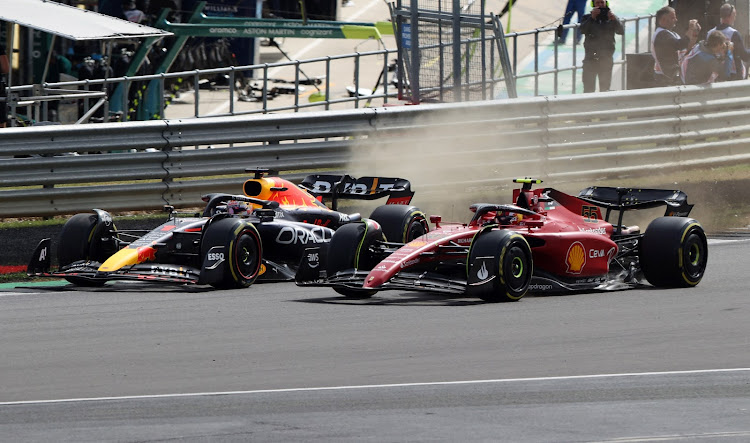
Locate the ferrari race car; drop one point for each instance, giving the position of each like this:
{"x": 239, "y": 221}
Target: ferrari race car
{"x": 545, "y": 242}
{"x": 236, "y": 240}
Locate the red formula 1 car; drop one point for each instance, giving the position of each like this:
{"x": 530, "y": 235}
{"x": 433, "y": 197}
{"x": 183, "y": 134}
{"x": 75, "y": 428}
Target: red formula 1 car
{"x": 545, "y": 242}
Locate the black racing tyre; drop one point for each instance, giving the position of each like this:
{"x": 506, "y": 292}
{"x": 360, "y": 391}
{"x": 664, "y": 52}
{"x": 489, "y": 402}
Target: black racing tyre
{"x": 79, "y": 240}
{"x": 350, "y": 249}
{"x": 499, "y": 267}
{"x": 242, "y": 248}
{"x": 400, "y": 223}
{"x": 674, "y": 252}
{"x": 75, "y": 237}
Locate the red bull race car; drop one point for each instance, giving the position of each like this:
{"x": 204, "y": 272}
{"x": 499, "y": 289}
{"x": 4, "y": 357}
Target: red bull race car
{"x": 546, "y": 241}
{"x": 237, "y": 239}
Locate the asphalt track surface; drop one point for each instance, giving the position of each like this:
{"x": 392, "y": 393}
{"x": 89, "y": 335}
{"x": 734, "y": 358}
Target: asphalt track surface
{"x": 275, "y": 362}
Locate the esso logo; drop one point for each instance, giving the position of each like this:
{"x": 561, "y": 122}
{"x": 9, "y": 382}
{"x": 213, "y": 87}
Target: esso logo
{"x": 215, "y": 256}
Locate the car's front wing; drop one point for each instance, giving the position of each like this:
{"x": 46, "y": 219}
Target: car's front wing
{"x": 153, "y": 272}
{"x": 405, "y": 281}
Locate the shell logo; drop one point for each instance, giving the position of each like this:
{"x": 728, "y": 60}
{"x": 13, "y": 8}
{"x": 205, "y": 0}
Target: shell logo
{"x": 262, "y": 269}
{"x": 576, "y": 258}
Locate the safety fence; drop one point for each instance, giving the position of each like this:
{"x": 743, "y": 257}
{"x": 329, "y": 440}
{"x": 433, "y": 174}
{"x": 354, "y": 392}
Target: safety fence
{"x": 456, "y": 148}
{"x": 346, "y": 81}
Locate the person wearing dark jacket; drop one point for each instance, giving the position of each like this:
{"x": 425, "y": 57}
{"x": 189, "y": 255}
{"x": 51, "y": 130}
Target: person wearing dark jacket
{"x": 739, "y": 54}
{"x": 668, "y": 48}
{"x": 599, "y": 27}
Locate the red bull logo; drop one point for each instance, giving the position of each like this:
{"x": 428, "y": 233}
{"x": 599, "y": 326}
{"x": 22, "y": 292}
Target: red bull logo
{"x": 146, "y": 253}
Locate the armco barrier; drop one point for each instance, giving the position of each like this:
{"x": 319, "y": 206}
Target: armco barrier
{"x": 463, "y": 146}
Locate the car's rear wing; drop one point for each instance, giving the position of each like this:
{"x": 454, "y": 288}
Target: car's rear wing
{"x": 630, "y": 198}
{"x": 398, "y": 190}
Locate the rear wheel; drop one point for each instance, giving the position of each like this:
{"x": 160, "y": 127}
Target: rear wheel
{"x": 499, "y": 267}
{"x": 81, "y": 239}
{"x": 350, "y": 249}
{"x": 674, "y": 252}
{"x": 242, "y": 251}
{"x": 400, "y": 224}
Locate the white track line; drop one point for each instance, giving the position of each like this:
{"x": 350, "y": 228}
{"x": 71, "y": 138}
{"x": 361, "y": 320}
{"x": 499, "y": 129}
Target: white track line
{"x": 395, "y": 385}
{"x": 721, "y": 241}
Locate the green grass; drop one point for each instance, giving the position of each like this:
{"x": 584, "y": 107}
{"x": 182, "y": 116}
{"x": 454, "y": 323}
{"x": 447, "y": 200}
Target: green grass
{"x": 59, "y": 220}
{"x": 20, "y": 277}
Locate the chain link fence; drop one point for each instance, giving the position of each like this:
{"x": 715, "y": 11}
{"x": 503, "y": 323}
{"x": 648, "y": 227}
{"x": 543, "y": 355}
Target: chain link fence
{"x": 451, "y": 51}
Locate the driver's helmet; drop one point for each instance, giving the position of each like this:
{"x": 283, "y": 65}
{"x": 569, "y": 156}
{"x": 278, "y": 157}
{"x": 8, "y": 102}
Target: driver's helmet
{"x": 236, "y": 208}
{"x": 488, "y": 217}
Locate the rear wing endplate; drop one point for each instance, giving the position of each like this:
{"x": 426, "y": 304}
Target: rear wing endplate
{"x": 398, "y": 190}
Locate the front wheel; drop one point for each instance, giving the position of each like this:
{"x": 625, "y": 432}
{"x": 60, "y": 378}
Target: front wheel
{"x": 499, "y": 267}
{"x": 242, "y": 252}
{"x": 400, "y": 224}
{"x": 83, "y": 237}
{"x": 674, "y": 252}
{"x": 350, "y": 248}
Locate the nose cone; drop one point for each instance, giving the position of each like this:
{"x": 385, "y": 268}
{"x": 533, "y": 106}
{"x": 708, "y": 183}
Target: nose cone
{"x": 128, "y": 257}
{"x": 374, "y": 279}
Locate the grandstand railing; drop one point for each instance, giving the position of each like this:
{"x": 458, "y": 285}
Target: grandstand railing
{"x": 359, "y": 71}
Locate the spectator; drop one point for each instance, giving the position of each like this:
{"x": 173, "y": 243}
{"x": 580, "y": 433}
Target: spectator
{"x": 132, "y": 13}
{"x": 727, "y": 15}
{"x": 577, "y": 7}
{"x": 4, "y": 69}
{"x": 708, "y": 62}
{"x": 599, "y": 27}
{"x": 668, "y": 48}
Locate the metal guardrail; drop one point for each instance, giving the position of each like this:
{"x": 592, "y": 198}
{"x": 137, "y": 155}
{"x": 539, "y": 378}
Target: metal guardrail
{"x": 451, "y": 147}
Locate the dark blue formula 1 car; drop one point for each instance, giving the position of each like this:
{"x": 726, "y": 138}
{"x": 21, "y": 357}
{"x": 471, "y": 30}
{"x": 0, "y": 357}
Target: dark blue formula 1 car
{"x": 235, "y": 240}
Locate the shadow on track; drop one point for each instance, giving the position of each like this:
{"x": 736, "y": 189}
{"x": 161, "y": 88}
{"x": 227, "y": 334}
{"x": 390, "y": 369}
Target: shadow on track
{"x": 398, "y": 299}
{"x": 117, "y": 287}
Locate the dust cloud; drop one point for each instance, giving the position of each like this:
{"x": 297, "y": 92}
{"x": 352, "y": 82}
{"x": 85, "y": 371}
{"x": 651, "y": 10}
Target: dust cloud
{"x": 451, "y": 161}
{"x": 455, "y": 160}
